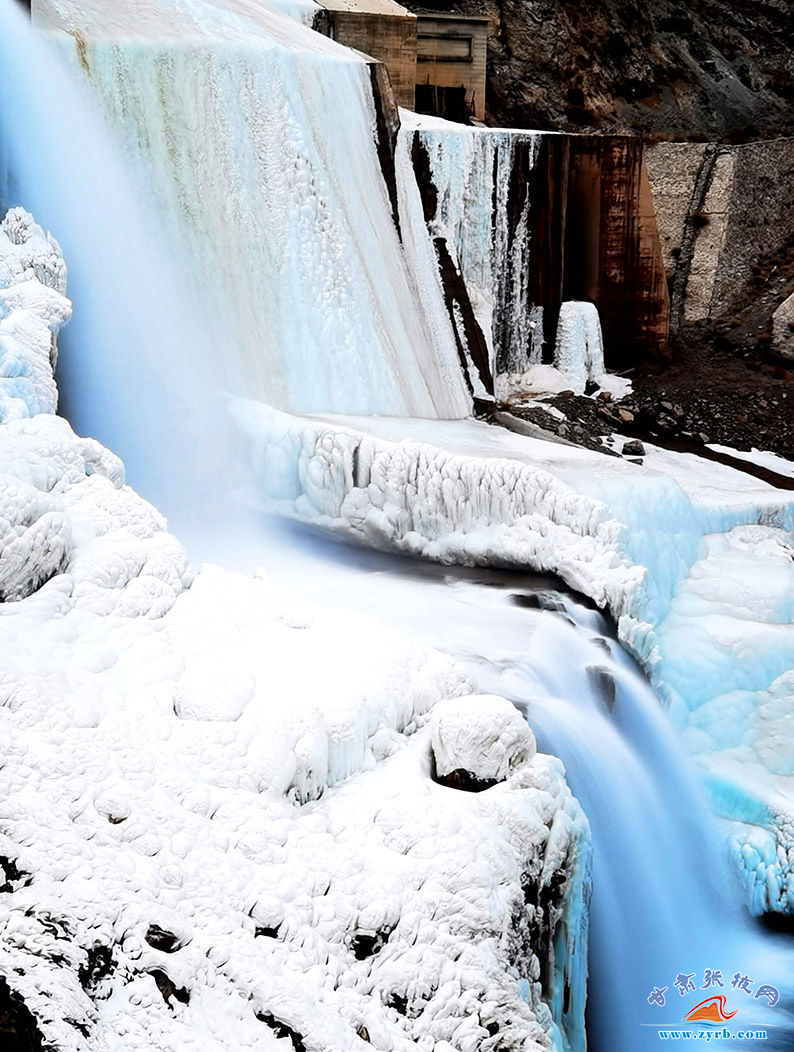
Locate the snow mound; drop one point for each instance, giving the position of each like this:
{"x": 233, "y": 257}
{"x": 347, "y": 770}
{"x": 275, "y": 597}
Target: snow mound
{"x": 67, "y": 518}
{"x": 33, "y": 306}
{"x": 221, "y": 826}
{"x": 481, "y": 735}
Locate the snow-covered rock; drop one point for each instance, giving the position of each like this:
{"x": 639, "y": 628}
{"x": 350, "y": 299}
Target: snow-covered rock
{"x": 33, "y": 306}
{"x": 481, "y": 735}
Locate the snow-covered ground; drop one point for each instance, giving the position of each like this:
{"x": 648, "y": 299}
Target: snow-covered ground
{"x": 220, "y": 826}
{"x": 693, "y": 558}
{"x": 763, "y": 459}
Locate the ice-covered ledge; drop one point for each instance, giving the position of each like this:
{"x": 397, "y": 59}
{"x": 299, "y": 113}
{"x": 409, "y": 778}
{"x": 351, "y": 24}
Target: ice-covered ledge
{"x": 222, "y": 820}
{"x": 692, "y": 558}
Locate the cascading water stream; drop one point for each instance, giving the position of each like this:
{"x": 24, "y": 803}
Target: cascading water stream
{"x": 272, "y": 266}
{"x": 138, "y": 369}
{"x": 665, "y": 902}
{"x": 257, "y": 136}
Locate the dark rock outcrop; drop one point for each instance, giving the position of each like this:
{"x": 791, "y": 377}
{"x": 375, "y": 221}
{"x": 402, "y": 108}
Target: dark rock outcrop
{"x": 711, "y": 69}
{"x": 18, "y": 1029}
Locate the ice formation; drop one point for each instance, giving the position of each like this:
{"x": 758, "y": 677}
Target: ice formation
{"x": 220, "y": 826}
{"x": 33, "y": 306}
{"x": 311, "y": 293}
{"x": 321, "y": 301}
{"x": 692, "y": 558}
{"x": 468, "y": 188}
{"x": 579, "y": 352}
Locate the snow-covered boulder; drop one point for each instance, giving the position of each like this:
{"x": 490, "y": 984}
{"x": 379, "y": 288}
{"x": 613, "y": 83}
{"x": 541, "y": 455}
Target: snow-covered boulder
{"x": 479, "y": 741}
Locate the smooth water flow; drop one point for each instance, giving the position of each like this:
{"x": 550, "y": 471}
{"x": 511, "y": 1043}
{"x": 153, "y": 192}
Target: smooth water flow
{"x": 138, "y": 371}
{"x": 665, "y": 902}
{"x": 258, "y": 138}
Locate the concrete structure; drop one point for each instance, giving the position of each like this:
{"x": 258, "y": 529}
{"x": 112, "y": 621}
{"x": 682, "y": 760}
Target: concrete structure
{"x": 451, "y": 52}
{"x": 442, "y": 55}
{"x": 783, "y": 328}
{"x": 381, "y": 29}
{"x": 725, "y": 215}
{"x": 576, "y": 222}
{"x": 608, "y": 249}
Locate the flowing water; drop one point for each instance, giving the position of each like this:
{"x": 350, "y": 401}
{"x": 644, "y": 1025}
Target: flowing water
{"x": 138, "y": 370}
{"x": 665, "y": 902}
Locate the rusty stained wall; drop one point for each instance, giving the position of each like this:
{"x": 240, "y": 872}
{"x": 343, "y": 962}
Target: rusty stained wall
{"x": 611, "y": 222}
{"x": 595, "y": 238}
{"x": 391, "y": 39}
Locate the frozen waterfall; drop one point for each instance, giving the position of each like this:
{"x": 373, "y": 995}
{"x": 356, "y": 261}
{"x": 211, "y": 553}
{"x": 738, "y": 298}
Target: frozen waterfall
{"x": 258, "y": 135}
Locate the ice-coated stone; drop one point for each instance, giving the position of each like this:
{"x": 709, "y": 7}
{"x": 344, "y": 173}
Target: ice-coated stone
{"x": 482, "y": 735}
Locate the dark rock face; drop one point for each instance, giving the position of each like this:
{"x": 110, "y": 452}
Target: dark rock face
{"x": 465, "y": 781}
{"x": 711, "y": 68}
{"x": 18, "y": 1029}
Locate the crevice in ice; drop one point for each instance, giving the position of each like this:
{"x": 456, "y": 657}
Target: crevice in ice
{"x": 98, "y": 966}
{"x": 168, "y": 988}
{"x": 387, "y": 125}
{"x": 463, "y": 780}
{"x": 366, "y": 944}
{"x": 281, "y": 1029}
